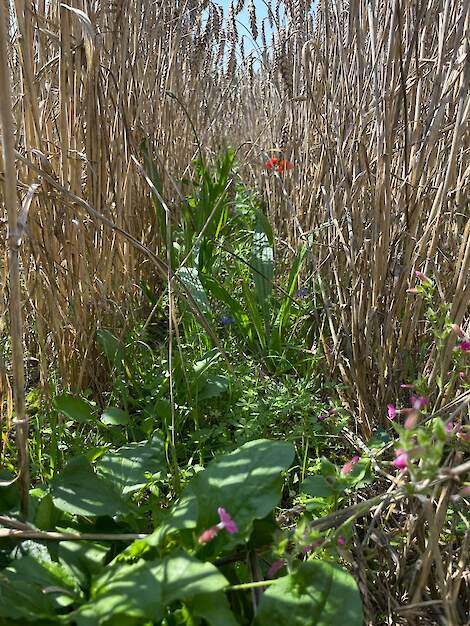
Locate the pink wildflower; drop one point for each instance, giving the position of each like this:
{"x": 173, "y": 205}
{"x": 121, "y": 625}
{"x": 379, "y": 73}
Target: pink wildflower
{"x": 341, "y": 541}
{"x": 422, "y": 277}
{"x": 450, "y": 426}
{"x": 419, "y": 402}
{"x": 464, "y": 345}
{"x": 391, "y": 411}
{"x": 411, "y": 420}
{"x": 208, "y": 535}
{"x": 312, "y": 546}
{"x": 347, "y": 467}
{"x": 226, "y": 521}
{"x": 462, "y": 375}
{"x": 401, "y": 460}
{"x": 322, "y": 417}
{"x": 275, "y": 567}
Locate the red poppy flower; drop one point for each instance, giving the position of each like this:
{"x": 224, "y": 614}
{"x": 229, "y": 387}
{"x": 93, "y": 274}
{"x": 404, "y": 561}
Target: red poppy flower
{"x": 284, "y": 165}
{"x": 271, "y": 163}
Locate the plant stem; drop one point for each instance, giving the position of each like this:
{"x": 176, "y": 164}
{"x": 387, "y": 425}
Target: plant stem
{"x": 13, "y": 533}
{"x": 258, "y": 583}
{"x": 13, "y": 245}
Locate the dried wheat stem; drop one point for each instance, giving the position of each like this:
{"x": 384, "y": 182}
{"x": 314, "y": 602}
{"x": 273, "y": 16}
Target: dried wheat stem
{"x": 56, "y": 536}
{"x": 13, "y": 244}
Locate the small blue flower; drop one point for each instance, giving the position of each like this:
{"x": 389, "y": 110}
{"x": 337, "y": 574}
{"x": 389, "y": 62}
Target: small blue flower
{"x": 302, "y": 293}
{"x": 226, "y": 320}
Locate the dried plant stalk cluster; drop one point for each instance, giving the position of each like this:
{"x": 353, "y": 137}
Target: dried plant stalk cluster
{"x": 370, "y": 100}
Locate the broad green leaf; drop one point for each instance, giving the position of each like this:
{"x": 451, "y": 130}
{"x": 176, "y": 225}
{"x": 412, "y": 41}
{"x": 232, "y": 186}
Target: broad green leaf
{"x": 44, "y": 574}
{"x": 247, "y": 483}
{"x": 80, "y": 491}
{"x": 111, "y": 345}
{"x": 357, "y": 476}
{"x": 328, "y": 469}
{"x": 144, "y": 589}
{"x": 19, "y": 600}
{"x": 213, "y": 608}
{"x": 74, "y": 408}
{"x": 9, "y": 491}
{"x": 265, "y": 226}
{"x": 126, "y": 467}
{"x": 318, "y": 486}
{"x": 190, "y": 279}
{"x": 113, "y": 416}
{"x": 46, "y": 514}
{"x": 182, "y": 516}
{"x": 205, "y": 363}
{"x": 82, "y": 559}
{"x": 317, "y": 594}
{"x": 213, "y": 387}
{"x": 31, "y": 590}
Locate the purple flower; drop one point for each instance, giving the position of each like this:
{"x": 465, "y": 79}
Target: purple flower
{"x": 464, "y": 345}
{"x": 391, "y": 411}
{"x": 226, "y": 320}
{"x": 302, "y": 293}
{"x": 226, "y": 521}
{"x": 275, "y": 567}
{"x": 322, "y": 417}
{"x": 341, "y": 541}
{"x": 450, "y": 426}
{"x": 419, "y": 402}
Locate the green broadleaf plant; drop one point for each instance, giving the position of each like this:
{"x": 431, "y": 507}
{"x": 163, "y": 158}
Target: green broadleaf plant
{"x": 316, "y": 594}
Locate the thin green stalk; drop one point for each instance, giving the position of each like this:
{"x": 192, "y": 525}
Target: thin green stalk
{"x": 258, "y": 583}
